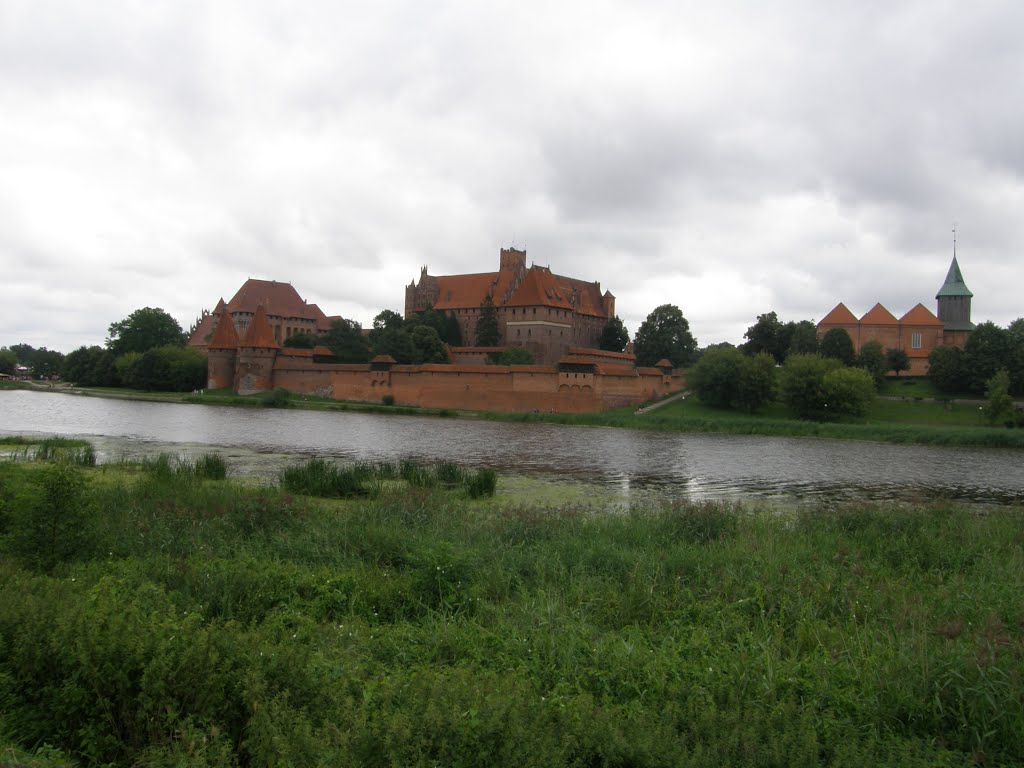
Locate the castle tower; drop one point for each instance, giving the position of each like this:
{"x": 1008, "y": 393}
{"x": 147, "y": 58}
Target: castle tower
{"x": 222, "y": 352}
{"x": 257, "y": 352}
{"x": 954, "y": 306}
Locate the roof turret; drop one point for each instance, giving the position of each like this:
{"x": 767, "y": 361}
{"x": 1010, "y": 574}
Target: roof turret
{"x": 224, "y": 336}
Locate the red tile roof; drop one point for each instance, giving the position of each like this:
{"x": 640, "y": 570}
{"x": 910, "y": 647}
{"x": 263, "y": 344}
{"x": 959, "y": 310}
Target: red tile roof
{"x": 839, "y": 316}
{"x": 259, "y": 333}
{"x": 540, "y": 289}
{"x": 225, "y": 336}
{"x": 920, "y": 315}
{"x": 879, "y": 315}
{"x": 277, "y": 299}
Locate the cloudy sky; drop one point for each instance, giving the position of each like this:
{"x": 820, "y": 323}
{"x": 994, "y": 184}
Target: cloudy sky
{"x": 728, "y": 157}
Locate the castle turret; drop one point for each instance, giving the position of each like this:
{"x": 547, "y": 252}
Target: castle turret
{"x": 257, "y": 352}
{"x": 222, "y": 353}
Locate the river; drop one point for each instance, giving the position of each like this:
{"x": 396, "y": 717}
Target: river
{"x": 623, "y": 463}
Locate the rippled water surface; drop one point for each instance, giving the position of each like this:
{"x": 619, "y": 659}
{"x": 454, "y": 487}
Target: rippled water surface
{"x": 629, "y": 463}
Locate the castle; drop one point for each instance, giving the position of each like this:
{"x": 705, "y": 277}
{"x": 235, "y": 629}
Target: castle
{"x": 287, "y": 313}
{"x": 917, "y": 332}
{"x": 544, "y": 313}
{"x": 558, "y": 319}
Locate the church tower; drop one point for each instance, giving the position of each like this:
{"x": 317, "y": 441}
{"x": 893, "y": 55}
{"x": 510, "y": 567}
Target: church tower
{"x": 954, "y": 306}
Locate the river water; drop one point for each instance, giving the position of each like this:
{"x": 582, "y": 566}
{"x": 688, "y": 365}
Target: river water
{"x": 623, "y": 463}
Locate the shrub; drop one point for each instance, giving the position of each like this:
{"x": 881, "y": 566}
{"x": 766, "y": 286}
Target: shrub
{"x": 802, "y": 385}
{"x": 483, "y": 482}
{"x": 848, "y": 392}
{"x": 279, "y": 397}
{"x": 388, "y": 399}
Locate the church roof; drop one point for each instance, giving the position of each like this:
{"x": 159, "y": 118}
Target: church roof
{"x": 259, "y": 333}
{"x": 225, "y": 336}
{"x": 954, "y": 285}
{"x": 840, "y": 315}
{"x": 277, "y": 299}
{"x": 920, "y": 315}
{"x": 879, "y": 315}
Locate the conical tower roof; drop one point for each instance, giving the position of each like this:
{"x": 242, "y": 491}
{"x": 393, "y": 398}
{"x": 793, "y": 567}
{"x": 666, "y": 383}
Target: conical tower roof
{"x": 224, "y": 336}
{"x": 954, "y": 285}
{"x": 259, "y": 333}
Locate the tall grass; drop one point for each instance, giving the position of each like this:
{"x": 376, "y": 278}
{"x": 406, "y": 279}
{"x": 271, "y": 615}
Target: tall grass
{"x": 319, "y": 477}
{"x": 219, "y": 624}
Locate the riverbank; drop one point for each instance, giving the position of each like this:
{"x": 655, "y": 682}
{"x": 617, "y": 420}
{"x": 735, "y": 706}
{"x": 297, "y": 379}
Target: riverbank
{"x": 189, "y": 620}
{"x": 897, "y": 420}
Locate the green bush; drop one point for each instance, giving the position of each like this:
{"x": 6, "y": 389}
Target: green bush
{"x": 279, "y": 397}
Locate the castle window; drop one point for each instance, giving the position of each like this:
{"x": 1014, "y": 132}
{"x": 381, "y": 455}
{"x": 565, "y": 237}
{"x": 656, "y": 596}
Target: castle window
{"x": 915, "y": 341}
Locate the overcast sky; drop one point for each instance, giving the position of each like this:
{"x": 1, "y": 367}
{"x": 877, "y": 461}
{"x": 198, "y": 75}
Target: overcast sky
{"x": 728, "y": 157}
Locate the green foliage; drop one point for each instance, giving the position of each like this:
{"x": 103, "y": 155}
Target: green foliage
{"x": 837, "y": 344}
{"x": 897, "y": 360}
{"x": 848, "y": 392}
{"x": 396, "y": 342}
{"x": 302, "y": 341}
{"x": 665, "y": 334}
{"x": 49, "y": 523}
{"x": 726, "y": 378}
{"x": 142, "y": 330}
{"x": 169, "y": 368}
{"x": 988, "y": 349}
{"x": 764, "y": 336}
{"x": 945, "y": 369}
{"x": 45, "y": 363}
{"x": 209, "y": 466}
{"x": 278, "y": 397}
{"x": 799, "y": 338}
{"x": 388, "y": 399}
{"x": 90, "y": 367}
{"x": 346, "y": 341}
{"x": 1000, "y": 404}
{"x": 8, "y": 361}
{"x": 802, "y": 385}
{"x": 873, "y": 360}
{"x": 446, "y": 324}
{"x": 614, "y": 336}
{"x": 428, "y": 344}
{"x": 214, "y": 624}
{"x": 511, "y": 356}
{"x": 488, "y": 334}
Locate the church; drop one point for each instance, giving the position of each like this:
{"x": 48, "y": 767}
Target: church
{"x": 538, "y": 310}
{"x": 917, "y": 332}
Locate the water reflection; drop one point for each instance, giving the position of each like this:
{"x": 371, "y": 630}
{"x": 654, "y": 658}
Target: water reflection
{"x": 630, "y": 463}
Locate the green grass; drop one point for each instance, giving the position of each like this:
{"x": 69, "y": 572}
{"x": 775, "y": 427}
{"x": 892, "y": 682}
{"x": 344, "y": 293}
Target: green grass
{"x": 210, "y": 623}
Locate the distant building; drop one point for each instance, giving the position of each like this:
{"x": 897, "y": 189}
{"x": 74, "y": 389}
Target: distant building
{"x": 288, "y": 314}
{"x": 538, "y": 310}
{"x": 917, "y": 332}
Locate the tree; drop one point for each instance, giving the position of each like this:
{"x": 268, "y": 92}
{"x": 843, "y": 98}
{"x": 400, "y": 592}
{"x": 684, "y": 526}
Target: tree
{"x": 997, "y": 392}
{"x": 848, "y": 392}
{"x": 837, "y": 345}
{"x": 945, "y": 369}
{"x": 726, "y": 378}
{"x": 90, "y": 367}
{"x": 171, "y": 368}
{"x": 142, "y": 330}
{"x": 802, "y": 385}
{"x": 988, "y": 349}
{"x": 765, "y": 336}
{"x": 346, "y": 341}
{"x": 46, "y": 363}
{"x": 8, "y": 361}
{"x": 665, "y": 334}
{"x": 24, "y": 353}
{"x": 511, "y": 356}
{"x": 799, "y": 338}
{"x": 428, "y": 344}
{"x": 614, "y": 336}
{"x": 396, "y": 342}
{"x": 445, "y": 323}
{"x": 387, "y": 318}
{"x": 302, "y": 341}
{"x": 897, "y": 360}
{"x": 487, "y": 332}
{"x": 873, "y": 360}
